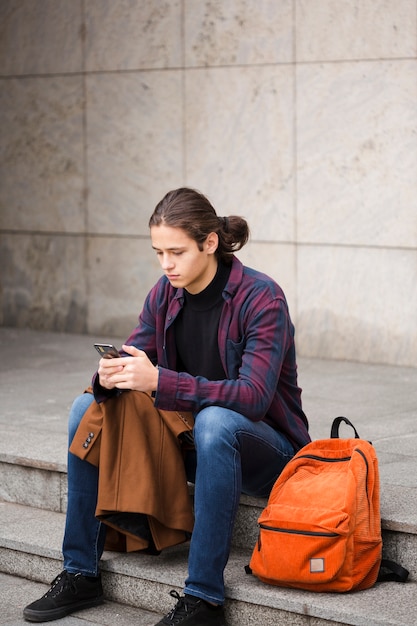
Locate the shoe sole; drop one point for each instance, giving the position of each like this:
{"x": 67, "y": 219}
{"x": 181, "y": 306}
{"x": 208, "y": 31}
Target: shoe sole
{"x": 48, "y": 616}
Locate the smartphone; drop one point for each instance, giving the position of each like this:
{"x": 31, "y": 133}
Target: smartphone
{"x": 107, "y": 350}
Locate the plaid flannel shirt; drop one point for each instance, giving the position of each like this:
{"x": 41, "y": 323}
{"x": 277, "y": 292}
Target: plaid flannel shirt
{"x": 256, "y": 344}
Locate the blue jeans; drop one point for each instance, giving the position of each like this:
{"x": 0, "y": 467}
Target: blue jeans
{"x": 84, "y": 535}
{"x": 234, "y": 456}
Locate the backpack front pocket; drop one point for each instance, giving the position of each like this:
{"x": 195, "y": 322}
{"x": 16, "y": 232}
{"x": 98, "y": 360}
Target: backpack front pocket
{"x": 311, "y": 550}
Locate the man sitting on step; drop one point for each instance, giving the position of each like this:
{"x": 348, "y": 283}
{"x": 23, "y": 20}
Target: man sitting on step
{"x": 214, "y": 339}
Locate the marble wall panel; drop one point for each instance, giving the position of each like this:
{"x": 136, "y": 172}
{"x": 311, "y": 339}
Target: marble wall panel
{"x": 208, "y": 93}
{"x": 41, "y": 154}
{"x": 332, "y": 30}
{"x": 134, "y": 147}
{"x": 358, "y": 304}
{"x": 40, "y": 37}
{"x": 122, "y": 270}
{"x": 357, "y": 153}
{"x": 43, "y": 282}
{"x": 239, "y": 144}
{"x": 238, "y": 32}
{"x": 278, "y": 261}
{"x": 129, "y": 35}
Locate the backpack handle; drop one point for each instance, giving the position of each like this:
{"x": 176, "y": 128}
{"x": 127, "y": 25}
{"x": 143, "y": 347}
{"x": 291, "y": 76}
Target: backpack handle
{"x": 334, "y": 433}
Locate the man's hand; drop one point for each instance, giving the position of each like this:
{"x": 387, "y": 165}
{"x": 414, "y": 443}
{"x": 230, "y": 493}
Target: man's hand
{"x": 134, "y": 372}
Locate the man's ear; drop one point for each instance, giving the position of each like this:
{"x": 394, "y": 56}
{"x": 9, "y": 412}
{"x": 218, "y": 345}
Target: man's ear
{"x": 212, "y": 243}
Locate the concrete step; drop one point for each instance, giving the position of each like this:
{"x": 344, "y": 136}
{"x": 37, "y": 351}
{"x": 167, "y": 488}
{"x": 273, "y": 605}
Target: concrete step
{"x": 37, "y": 386}
{"x": 16, "y": 592}
{"x": 30, "y": 547}
{"x": 42, "y": 484}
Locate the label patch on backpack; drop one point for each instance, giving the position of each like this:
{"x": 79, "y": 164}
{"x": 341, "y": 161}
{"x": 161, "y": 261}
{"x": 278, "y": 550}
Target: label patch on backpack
{"x": 316, "y": 566}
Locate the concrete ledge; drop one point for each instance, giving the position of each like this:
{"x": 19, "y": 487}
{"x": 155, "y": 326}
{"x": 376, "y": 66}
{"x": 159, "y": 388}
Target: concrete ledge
{"x": 145, "y": 581}
{"x": 38, "y": 384}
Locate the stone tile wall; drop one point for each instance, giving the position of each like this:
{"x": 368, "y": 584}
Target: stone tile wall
{"x": 300, "y": 115}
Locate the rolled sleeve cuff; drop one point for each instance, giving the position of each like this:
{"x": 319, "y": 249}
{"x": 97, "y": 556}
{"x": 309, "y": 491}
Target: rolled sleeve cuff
{"x": 101, "y": 394}
{"x": 166, "y": 393}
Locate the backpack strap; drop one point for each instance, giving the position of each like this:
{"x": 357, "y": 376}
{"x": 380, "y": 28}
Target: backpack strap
{"x": 396, "y": 573}
{"x": 334, "y": 433}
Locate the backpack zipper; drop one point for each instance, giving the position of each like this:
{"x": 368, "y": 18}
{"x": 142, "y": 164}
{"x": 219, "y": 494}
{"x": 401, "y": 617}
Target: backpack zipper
{"x": 309, "y": 533}
{"x": 345, "y": 458}
{"x": 322, "y": 458}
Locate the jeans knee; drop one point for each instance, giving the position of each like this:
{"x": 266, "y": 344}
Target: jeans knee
{"x": 212, "y": 428}
{"x": 79, "y": 407}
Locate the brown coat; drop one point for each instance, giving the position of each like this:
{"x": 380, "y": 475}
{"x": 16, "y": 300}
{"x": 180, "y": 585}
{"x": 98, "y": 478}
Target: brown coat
{"x": 141, "y": 468}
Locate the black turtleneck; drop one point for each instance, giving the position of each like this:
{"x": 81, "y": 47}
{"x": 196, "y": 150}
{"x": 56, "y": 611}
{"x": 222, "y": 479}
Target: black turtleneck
{"x": 196, "y": 329}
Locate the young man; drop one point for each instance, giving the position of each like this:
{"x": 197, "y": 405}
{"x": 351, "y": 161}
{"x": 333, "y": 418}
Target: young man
{"x": 214, "y": 338}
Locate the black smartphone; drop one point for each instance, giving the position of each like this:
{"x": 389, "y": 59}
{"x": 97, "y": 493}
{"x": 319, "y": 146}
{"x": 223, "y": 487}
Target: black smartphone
{"x": 107, "y": 350}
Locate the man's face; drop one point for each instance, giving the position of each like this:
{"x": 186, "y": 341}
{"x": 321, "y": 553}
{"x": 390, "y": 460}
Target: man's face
{"x": 182, "y": 262}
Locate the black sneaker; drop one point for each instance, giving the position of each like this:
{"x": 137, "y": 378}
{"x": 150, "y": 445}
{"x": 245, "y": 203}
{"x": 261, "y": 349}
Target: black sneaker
{"x": 192, "y": 611}
{"x": 68, "y": 593}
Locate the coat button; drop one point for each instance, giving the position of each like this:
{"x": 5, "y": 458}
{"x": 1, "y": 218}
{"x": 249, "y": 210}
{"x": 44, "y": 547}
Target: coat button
{"x": 91, "y": 435}
{"x": 85, "y": 444}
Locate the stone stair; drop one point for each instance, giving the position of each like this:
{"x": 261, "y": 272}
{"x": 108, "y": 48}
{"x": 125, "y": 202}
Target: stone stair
{"x": 33, "y": 498}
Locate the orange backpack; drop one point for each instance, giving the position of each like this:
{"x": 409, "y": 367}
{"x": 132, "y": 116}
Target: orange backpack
{"x": 321, "y": 528}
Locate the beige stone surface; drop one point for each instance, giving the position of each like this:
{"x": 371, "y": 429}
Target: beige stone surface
{"x": 43, "y": 282}
{"x": 134, "y": 139}
{"x": 41, "y": 154}
{"x": 44, "y": 487}
{"x": 355, "y": 304}
{"x": 126, "y": 35}
{"x": 357, "y": 153}
{"x": 332, "y": 30}
{"x": 240, "y": 144}
{"x": 278, "y": 260}
{"x": 299, "y": 115}
{"x": 40, "y": 37}
{"x": 121, "y": 273}
{"x": 238, "y": 32}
